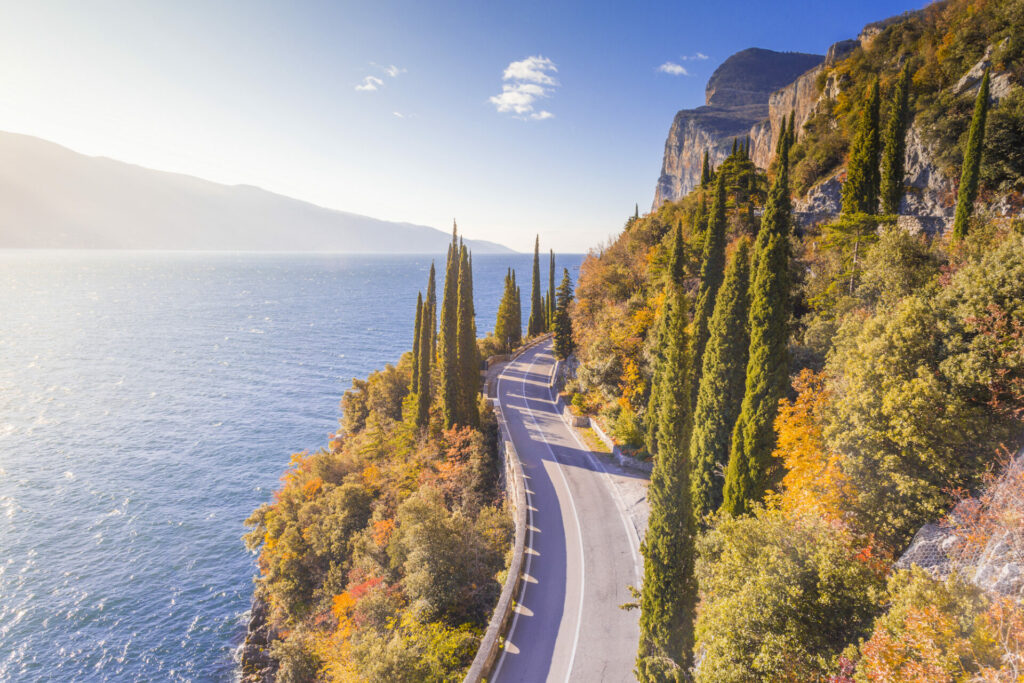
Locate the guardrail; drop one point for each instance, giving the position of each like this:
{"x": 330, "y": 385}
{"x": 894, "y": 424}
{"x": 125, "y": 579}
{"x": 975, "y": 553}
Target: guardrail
{"x": 515, "y": 492}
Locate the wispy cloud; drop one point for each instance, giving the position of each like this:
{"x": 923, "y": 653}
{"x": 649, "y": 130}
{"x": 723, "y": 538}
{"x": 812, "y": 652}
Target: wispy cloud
{"x": 673, "y": 69}
{"x": 698, "y": 56}
{"x": 370, "y": 83}
{"x": 526, "y": 81}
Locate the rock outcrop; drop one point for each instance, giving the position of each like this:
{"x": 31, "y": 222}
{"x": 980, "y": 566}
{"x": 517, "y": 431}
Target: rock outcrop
{"x": 738, "y": 103}
{"x": 257, "y": 664}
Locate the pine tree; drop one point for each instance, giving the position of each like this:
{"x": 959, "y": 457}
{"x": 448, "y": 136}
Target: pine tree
{"x": 564, "y": 344}
{"x": 705, "y": 170}
{"x": 860, "y": 191}
{"x": 711, "y": 272}
{"x": 447, "y": 346}
{"x": 416, "y": 343}
{"x": 677, "y": 273}
{"x": 536, "y": 323}
{"x": 669, "y": 596}
{"x": 895, "y": 144}
{"x": 468, "y": 354}
{"x": 968, "y": 191}
{"x": 721, "y": 385}
{"x": 767, "y": 365}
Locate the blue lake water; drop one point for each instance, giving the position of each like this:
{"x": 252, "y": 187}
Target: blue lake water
{"x": 150, "y": 401}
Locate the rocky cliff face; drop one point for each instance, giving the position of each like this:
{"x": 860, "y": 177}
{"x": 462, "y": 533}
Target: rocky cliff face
{"x": 738, "y": 103}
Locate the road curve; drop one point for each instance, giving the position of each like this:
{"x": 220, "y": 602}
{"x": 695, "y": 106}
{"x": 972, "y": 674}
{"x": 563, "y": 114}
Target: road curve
{"x": 581, "y": 552}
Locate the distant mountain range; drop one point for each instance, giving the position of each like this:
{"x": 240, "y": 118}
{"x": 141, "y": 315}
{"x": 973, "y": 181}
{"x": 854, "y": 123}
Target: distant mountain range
{"x": 53, "y": 197}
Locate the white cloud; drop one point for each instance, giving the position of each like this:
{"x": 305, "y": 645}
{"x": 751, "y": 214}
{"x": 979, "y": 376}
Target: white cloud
{"x": 393, "y": 71}
{"x": 528, "y": 80}
{"x": 699, "y": 55}
{"x": 398, "y": 114}
{"x": 370, "y": 83}
{"x": 673, "y": 69}
{"x": 532, "y": 69}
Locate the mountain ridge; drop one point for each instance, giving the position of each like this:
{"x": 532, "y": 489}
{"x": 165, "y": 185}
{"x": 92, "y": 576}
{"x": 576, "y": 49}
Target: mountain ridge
{"x": 53, "y": 197}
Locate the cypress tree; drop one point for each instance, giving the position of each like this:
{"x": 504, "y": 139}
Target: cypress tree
{"x": 860, "y": 191}
{"x": 420, "y": 320}
{"x": 767, "y": 365}
{"x": 705, "y": 170}
{"x": 636, "y": 215}
{"x": 721, "y": 385}
{"x": 447, "y": 347}
{"x": 711, "y": 271}
{"x": 734, "y": 148}
{"x": 426, "y": 357}
{"x": 518, "y": 312}
{"x": 781, "y": 141}
{"x": 536, "y": 322}
{"x": 564, "y": 344}
{"x": 968, "y": 191}
{"x": 431, "y": 309}
{"x": 468, "y": 354}
{"x": 792, "y": 128}
{"x": 551, "y": 290}
{"x": 677, "y": 273}
{"x": 669, "y": 596}
{"x": 503, "y": 320}
{"x": 895, "y": 144}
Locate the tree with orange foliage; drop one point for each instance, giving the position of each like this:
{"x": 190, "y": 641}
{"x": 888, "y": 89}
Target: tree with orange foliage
{"x": 814, "y": 480}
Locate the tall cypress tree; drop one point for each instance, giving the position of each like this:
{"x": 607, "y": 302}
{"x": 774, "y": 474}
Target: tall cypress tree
{"x": 564, "y": 344}
{"x": 895, "y": 145}
{"x": 968, "y": 191}
{"x": 517, "y": 314}
{"x": 504, "y": 320}
{"x": 705, "y": 170}
{"x": 536, "y": 322}
{"x": 792, "y": 128}
{"x": 431, "y": 304}
{"x": 552, "y": 304}
{"x": 426, "y": 358}
{"x": 669, "y": 596}
{"x": 767, "y": 364}
{"x": 711, "y": 272}
{"x": 468, "y": 354}
{"x": 676, "y": 275}
{"x": 860, "y": 191}
{"x": 413, "y": 383}
{"x": 447, "y": 346}
{"x": 720, "y": 395}
{"x": 780, "y": 143}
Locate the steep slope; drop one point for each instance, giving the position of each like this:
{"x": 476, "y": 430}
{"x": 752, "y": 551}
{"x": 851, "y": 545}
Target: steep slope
{"x": 52, "y": 197}
{"x": 737, "y": 99}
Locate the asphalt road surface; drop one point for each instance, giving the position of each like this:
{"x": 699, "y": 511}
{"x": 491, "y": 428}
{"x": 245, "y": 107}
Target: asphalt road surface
{"x": 581, "y": 551}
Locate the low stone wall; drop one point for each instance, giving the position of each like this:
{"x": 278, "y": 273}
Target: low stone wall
{"x": 620, "y": 458}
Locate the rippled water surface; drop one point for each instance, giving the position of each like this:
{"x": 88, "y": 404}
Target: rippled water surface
{"x": 148, "y": 402}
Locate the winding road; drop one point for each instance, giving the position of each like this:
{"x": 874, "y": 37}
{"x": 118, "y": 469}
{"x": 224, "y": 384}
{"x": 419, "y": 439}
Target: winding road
{"x": 581, "y": 548}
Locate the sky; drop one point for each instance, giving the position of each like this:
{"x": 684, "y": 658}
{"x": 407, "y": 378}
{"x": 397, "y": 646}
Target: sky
{"x": 515, "y": 118}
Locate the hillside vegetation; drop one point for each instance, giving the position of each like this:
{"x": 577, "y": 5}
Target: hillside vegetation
{"x": 826, "y": 391}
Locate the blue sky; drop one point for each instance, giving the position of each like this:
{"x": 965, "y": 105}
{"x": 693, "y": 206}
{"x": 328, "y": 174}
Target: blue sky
{"x": 267, "y": 93}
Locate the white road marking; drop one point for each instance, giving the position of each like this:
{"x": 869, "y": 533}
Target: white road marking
{"x": 576, "y": 517}
{"x": 631, "y": 533}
